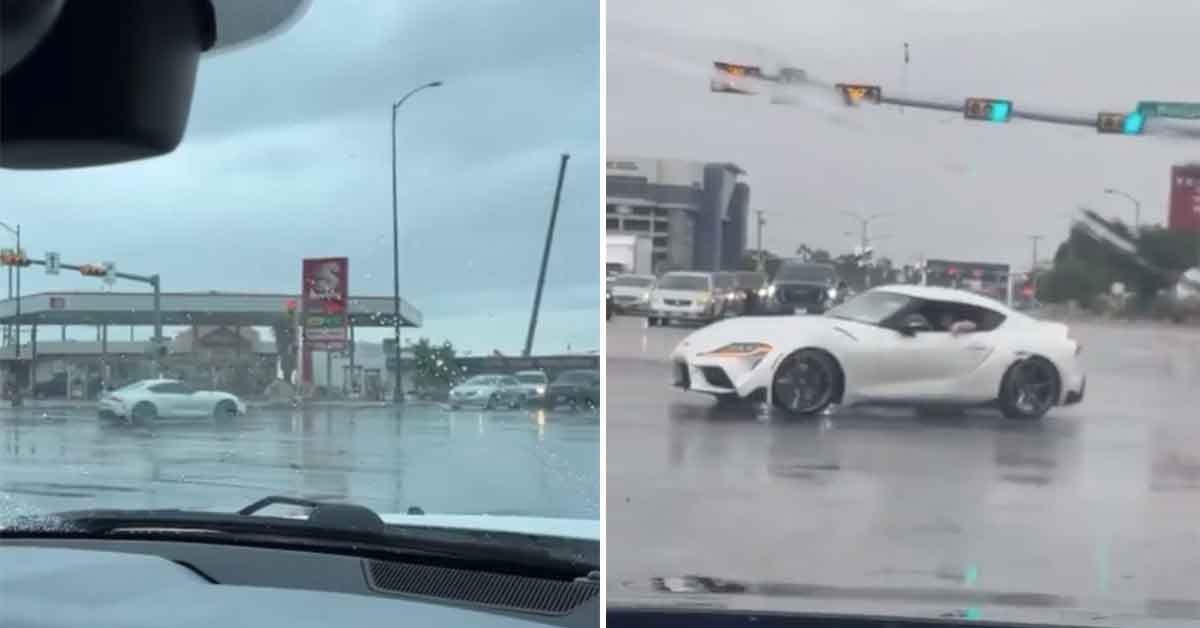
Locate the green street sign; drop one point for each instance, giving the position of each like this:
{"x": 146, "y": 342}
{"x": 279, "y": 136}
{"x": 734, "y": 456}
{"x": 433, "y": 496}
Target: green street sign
{"x": 1183, "y": 110}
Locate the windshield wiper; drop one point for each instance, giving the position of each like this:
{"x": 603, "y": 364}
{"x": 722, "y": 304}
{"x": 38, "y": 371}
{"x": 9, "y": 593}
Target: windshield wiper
{"x": 329, "y": 526}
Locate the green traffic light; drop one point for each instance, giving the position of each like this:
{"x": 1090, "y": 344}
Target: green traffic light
{"x": 1000, "y": 111}
{"x": 1133, "y": 123}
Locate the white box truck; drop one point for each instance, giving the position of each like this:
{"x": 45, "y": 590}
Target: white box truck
{"x": 628, "y": 254}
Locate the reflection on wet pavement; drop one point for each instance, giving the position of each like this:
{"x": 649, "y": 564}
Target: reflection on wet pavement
{"x": 528, "y": 462}
{"x": 1097, "y": 505}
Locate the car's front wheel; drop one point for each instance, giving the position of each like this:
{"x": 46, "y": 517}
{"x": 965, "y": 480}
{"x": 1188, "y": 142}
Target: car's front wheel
{"x": 225, "y": 410}
{"x": 805, "y": 383}
{"x": 491, "y": 402}
{"x": 143, "y": 413}
{"x": 1029, "y": 389}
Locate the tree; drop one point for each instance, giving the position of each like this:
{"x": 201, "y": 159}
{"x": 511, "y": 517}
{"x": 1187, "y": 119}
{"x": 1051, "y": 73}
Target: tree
{"x": 435, "y": 364}
{"x": 750, "y": 260}
{"x": 816, "y": 256}
{"x": 286, "y": 335}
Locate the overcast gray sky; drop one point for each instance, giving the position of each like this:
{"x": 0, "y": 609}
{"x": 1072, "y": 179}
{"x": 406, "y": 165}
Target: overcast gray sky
{"x": 959, "y": 189}
{"x": 287, "y": 156}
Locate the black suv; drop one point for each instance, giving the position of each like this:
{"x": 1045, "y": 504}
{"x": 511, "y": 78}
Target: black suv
{"x": 801, "y": 287}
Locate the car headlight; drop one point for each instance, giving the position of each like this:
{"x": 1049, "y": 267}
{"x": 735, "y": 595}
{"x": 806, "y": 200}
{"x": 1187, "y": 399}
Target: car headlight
{"x": 702, "y": 300}
{"x": 646, "y": 296}
{"x": 541, "y": 390}
{"x": 741, "y": 350}
{"x": 832, "y": 292}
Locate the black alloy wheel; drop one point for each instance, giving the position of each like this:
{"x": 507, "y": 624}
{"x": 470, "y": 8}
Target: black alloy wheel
{"x": 805, "y": 383}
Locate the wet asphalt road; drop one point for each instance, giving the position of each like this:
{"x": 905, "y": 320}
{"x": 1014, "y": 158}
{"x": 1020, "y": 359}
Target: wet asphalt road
{"x": 1098, "y": 505}
{"x": 526, "y": 462}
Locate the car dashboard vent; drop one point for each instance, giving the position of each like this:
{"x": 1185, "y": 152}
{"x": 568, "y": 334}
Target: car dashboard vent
{"x": 499, "y": 591}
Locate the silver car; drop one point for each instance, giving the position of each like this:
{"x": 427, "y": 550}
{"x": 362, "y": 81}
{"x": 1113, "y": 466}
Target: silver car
{"x": 488, "y": 392}
{"x": 534, "y": 384}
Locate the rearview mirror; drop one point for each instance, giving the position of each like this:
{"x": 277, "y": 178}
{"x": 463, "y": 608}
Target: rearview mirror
{"x": 102, "y": 83}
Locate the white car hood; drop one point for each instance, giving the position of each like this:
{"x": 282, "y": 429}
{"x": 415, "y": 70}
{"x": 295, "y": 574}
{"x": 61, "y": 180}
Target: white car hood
{"x": 586, "y": 529}
{"x": 775, "y": 330}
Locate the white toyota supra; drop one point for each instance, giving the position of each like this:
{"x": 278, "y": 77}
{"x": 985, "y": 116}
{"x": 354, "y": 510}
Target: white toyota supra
{"x": 922, "y": 346}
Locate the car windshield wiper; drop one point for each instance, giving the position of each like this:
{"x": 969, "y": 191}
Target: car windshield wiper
{"x": 329, "y": 526}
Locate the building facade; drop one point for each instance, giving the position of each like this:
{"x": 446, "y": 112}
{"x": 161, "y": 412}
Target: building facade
{"x": 695, "y": 213}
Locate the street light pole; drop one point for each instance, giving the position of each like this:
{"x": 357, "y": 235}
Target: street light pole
{"x": 762, "y": 265}
{"x": 864, "y": 226}
{"x": 1137, "y": 207}
{"x": 1034, "y": 239}
{"x": 398, "y": 396}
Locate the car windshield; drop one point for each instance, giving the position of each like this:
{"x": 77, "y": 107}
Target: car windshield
{"x": 532, "y": 378}
{"x": 634, "y": 282}
{"x": 872, "y": 307}
{"x": 765, "y": 452}
{"x": 805, "y": 272}
{"x": 354, "y": 208}
{"x": 576, "y": 377}
{"x": 751, "y": 280}
{"x": 684, "y": 282}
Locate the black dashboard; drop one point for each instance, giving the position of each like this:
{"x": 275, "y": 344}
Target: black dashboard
{"x": 50, "y": 583}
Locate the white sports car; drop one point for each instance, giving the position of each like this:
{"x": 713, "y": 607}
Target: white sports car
{"x": 896, "y": 345}
{"x": 144, "y": 401}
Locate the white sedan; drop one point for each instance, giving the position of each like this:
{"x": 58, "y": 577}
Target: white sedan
{"x": 920, "y": 346}
{"x": 143, "y": 402}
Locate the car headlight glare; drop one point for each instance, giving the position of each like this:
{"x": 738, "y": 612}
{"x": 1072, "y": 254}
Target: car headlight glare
{"x": 742, "y": 349}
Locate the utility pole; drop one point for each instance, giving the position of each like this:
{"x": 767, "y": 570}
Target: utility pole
{"x": 1034, "y": 239}
{"x": 541, "y": 282}
{"x": 762, "y": 264}
{"x": 864, "y": 224}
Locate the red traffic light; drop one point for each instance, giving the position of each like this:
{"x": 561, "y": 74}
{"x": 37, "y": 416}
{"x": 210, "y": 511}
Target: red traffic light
{"x": 291, "y": 305}
{"x": 853, "y": 94}
{"x": 92, "y": 270}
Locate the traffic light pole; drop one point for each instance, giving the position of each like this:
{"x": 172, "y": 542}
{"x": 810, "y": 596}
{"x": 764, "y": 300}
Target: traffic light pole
{"x": 153, "y": 280}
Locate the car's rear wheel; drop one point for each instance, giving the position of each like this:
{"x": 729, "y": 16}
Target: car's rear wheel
{"x": 225, "y": 410}
{"x": 517, "y": 402}
{"x": 144, "y": 413}
{"x": 1029, "y": 389}
{"x": 805, "y": 383}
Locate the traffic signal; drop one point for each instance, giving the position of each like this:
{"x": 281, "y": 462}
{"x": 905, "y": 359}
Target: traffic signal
{"x": 989, "y": 109}
{"x": 853, "y": 94}
{"x": 1121, "y": 123}
{"x": 1126, "y": 124}
{"x": 93, "y": 270}
{"x": 13, "y": 257}
{"x": 736, "y": 69}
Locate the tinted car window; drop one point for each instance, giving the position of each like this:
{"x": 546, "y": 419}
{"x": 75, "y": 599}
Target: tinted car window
{"x": 171, "y": 388}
